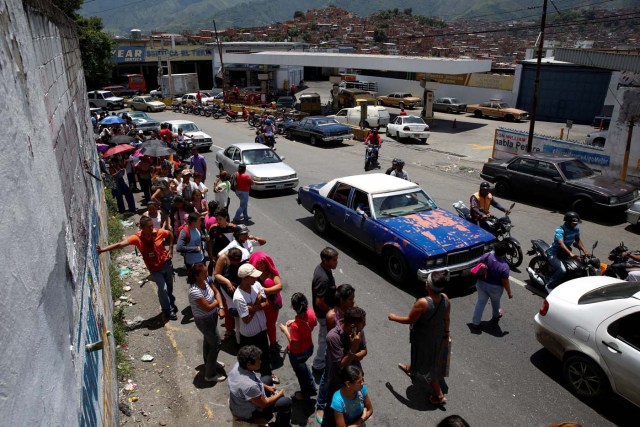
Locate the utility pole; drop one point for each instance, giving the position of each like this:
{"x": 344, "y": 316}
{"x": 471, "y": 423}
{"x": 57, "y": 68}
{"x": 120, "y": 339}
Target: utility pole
{"x": 536, "y": 86}
{"x": 224, "y": 77}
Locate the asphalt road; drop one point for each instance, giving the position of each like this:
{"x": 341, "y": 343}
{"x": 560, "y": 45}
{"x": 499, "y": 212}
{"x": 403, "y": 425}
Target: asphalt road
{"x": 499, "y": 377}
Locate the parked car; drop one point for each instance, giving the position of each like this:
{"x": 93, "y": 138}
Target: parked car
{"x": 449, "y": 105}
{"x": 317, "y": 129}
{"x": 597, "y": 138}
{"x": 142, "y": 121}
{"x": 267, "y": 170}
{"x": 191, "y": 98}
{"x": 557, "y": 178}
{"x": 200, "y": 139}
{"x": 408, "y": 127}
{"x": 633, "y": 213}
{"x": 376, "y": 116}
{"x": 105, "y": 99}
{"x": 591, "y": 325}
{"x": 499, "y": 109}
{"x": 397, "y": 220}
{"x": 286, "y": 102}
{"x": 119, "y": 90}
{"x": 146, "y": 103}
{"x": 400, "y": 100}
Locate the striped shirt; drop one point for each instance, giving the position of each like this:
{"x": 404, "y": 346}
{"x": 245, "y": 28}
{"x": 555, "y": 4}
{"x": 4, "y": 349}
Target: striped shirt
{"x": 195, "y": 294}
{"x": 241, "y": 300}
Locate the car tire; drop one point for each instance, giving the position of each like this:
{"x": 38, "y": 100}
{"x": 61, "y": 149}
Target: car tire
{"x": 398, "y": 136}
{"x": 510, "y": 118}
{"x": 313, "y": 141}
{"x": 423, "y": 140}
{"x": 502, "y": 188}
{"x": 366, "y": 125}
{"x": 477, "y": 114}
{"x": 387, "y": 132}
{"x": 320, "y": 221}
{"x": 288, "y": 135}
{"x": 395, "y": 265}
{"x": 585, "y": 378}
{"x": 581, "y": 206}
{"x": 109, "y": 106}
{"x": 148, "y": 109}
{"x": 381, "y": 102}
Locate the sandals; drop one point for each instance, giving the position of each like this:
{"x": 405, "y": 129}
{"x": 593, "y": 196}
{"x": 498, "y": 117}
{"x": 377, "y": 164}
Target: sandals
{"x": 405, "y": 368}
{"x": 437, "y": 401}
{"x": 275, "y": 379}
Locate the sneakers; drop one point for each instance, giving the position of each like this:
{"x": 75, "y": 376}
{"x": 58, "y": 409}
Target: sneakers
{"x": 171, "y": 315}
{"x": 220, "y": 365}
{"x": 215, "y": 379}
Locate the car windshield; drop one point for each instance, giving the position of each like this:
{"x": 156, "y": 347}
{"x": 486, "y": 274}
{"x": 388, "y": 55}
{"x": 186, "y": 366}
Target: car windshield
{"x": 108, "y": 95}
{"x": 260, "y": 156}
{"x": 138, "y": 115}
{"x": 413, "y": 119}
{"x": 576, "y": 169}
{"x": 189, "y": 127}
{"x": 407, "y": 95}
{"x": 503, "y": 105}
{"x": 324, "y": 122}
{"x": 146, "y": 99}
{"x": 621, "y": 290}
{"x": 404, "y": 203}
{"x": 455, "y": 101}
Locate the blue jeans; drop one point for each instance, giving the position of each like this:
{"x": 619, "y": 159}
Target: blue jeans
{"x": 487, "y": 291}
{"x": 303, "y": 373}
{"x": 211, "y": 344}
{"x": 323, "y": 388}
{"x": 559, "y": 271}
{"x": 123, "y": 192}
{"x": 318, "y": 361}
{"x": 244, "y": 204}
{"x": 164, "y": 282}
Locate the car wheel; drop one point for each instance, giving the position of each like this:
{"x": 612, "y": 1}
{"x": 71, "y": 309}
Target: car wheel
{"x": 598, "y": 142}
{"x": 401, "y": 105}
{"x": 381, "y": 102}
{"x": 366, "y": 125}
{"x": 109, "y": 106}
{"x": 92, "y": 105}
{"x": 585, "y": 378}
{"x": 397, "y": 136}
{"x": 510, "y": 118}
{"x": 313, "y": 141}
{"x": 388, "y": 133}
{"x": 395, "y": 265}
{"x": 502, "y": 188}
{"x": 477, "y": 113}
{"x": 148, "y": 109}
{"x": 423, "y": 140}
{"x": 288, "y": 135}
{"x": 320, "y": 221}
{"x": 581, "y": 206}
{"x": 514, "y": 254}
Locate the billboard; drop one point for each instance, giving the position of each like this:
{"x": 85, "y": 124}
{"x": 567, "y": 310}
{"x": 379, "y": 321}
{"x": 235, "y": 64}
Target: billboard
{"x": 124, "y": 54}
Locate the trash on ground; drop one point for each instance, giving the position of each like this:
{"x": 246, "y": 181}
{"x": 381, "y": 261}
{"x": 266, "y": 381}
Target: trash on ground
{"x": 146, "y": 358}
{"x": 126, "y": 288}
{"x": 123, "y": 271}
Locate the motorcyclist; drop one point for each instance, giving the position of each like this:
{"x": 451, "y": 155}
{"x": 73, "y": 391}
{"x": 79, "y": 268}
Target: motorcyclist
{"x": 375, "y": 141}
{"x": 394, "y": 162}
{"x": 398, "y": 171}
{"x": 565, "y": 236}
{"x": 481, "y": 202}
{"x": 633, "y": 275}
{"x": 373, "y": 138}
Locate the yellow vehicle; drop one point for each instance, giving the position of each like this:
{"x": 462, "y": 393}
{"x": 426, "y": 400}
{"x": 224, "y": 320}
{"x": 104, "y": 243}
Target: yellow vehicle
{"x": 310, "y": 103}
{"x": 400, "y": 100}
{"x": 348, "y": 98}
{"x": 497, "y": 108}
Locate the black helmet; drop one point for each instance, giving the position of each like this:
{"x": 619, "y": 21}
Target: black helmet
{"x": 399, "y": 162}
{"x": 572, "y": 217}
{"x": 484, "y": 185}
{"x": 395, "y": 161}
{"x": 241, "y": 229}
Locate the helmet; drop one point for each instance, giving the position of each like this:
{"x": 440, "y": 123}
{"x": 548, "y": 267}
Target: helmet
{"x": 484, "y": 185}
{"x": 572, "y": 217}
{"x": 395, "y": 161}
{"x": 268, "y": 122}
{"x": 240, "y": 230}
{"x": 399, "y": 162}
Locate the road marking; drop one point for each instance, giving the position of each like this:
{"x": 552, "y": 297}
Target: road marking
{"x": 218, "y": 147}
{"x": 480, "y": 146}
{"x": 169, "y": 332}
{"x": 208, "y": 411}
{"x": 518, "y": 282}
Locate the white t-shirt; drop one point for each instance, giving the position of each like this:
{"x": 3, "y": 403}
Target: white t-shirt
{"x": 247, "y": 248}
{"x": 241, "y": 300}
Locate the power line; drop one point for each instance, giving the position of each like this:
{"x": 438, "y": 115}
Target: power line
{"x": 119, "y": 7}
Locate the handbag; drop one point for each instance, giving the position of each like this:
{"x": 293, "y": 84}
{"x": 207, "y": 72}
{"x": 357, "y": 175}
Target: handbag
{"x": 109, "y": 182}
{"x": 480, "y": 270}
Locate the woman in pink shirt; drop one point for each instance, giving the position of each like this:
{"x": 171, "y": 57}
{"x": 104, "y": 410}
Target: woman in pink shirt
{"x": 272, "y": 284}
{"x": 298, "y": 332}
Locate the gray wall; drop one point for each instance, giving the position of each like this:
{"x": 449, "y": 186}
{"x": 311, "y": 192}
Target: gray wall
{"x": 55, "y": 296}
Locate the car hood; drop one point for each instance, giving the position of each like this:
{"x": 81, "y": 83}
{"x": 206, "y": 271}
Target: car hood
{"x": 114, "y": 99}
{"x": 139, "y": 121}
{"x": 198, "y": 134}
{"x": 270, "y": 170}
{"x": 156, "y": 104}
{"x": 604, "y": 184}
{"x": 411, "y": 98}
{"x": 514, "y": 110}
{"x": 334, "y": 128}
{"x": 436, "y": 231}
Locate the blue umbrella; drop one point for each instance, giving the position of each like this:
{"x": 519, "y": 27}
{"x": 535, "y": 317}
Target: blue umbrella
{"x": 112, "y": 120}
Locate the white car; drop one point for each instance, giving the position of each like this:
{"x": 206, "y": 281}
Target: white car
{"x": 191, "y": 98}
{"x": 266, "y": 168}
{"x": 408, "y": 127}
{"x": 200, "y": 139}
{"x": 146, "y": 103}
{"x": 597, "y": 138}
{"x": 592, "y": 325}
{"x": 105, "y": 99}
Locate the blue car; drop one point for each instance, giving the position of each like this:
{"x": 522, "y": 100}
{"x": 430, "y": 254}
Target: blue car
{"x": 397, "y": 220}
{"x": 318, "y": 129}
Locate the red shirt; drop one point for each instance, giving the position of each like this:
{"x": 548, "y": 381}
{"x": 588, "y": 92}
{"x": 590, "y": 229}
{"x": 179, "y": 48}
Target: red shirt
{"x": 243, "y": 182}
{"x": 167, "y": 133}
{"x": 300, "y": 330}
{"x": 153, "y": 252}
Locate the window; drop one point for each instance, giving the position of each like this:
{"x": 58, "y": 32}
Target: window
{"x": 547, "y": 170}
{"x": 229, "y": 152}
{"x": 236, "y": 155}
{"x": 527, "y": 166}
{"x": 360, "y": 200}
{"x": 340, "y": 193}
{"x": 620, "y": 290}
{"x": 626, "y": 330}
{"x": 303, "y": 122}
{"x": 342, "y": 113}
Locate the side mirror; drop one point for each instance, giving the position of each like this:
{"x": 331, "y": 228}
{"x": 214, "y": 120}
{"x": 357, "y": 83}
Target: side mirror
{"x": 557, "y": 179}
{"x": 595, "y": 245}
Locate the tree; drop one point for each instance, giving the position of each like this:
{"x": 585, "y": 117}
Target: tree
{"x": 379, "y": 36}
{"x": 408, "y": 11}
{"x": 95, "y": 44}
{"x": 298, "y": 14}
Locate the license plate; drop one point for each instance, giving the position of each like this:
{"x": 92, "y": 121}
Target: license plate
{"x": 279, "y": 186}
{"x": 416, "y": 135}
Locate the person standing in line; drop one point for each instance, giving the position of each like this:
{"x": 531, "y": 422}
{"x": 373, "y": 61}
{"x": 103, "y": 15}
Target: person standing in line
{"x": 143, "y": 169}
{"x": 493, "y": 284}
{"x": 190, "y": 241}
{"x": 150, "y": 243}
{"x": 222, "y": 188}
{"x": 272, "y": 284}
{"x": 243, "y": 186}
{"x": 198, "y": 163}
{"x": 243, "y": 241}
{"x": 226, "y": 278}
{"x": 299, "y": 335}
{"x": 159, "y": 219}
{"x": 206, "y": 306}
{"x": 122, "y": 190}
{"x": 429, "y": 337}
{"x": 351, "y": 404}
{"x": 250, "y": 300}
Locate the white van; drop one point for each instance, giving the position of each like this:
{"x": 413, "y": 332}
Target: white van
{"x": 377, "y": 116}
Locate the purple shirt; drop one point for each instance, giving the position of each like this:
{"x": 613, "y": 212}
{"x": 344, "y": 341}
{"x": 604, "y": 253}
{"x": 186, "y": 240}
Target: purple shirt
{"x": 338, "y": 344}
{"x": 199, "y": 164}
{"x": 497, "y": 269}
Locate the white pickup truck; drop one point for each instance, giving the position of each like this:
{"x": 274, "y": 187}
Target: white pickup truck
{"x": 105, "y": 99}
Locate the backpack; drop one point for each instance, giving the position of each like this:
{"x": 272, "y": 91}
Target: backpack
{"x": 153, "y": 256}
{"x": 187, "y": 236}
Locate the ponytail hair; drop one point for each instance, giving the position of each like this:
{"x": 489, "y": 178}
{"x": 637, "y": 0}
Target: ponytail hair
{"x": 299, "y": 303}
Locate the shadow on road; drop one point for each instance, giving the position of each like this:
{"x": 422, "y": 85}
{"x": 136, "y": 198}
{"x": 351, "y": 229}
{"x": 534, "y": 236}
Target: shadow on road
{"x": 615, "y": 409}
{"x": 448, "y": 125}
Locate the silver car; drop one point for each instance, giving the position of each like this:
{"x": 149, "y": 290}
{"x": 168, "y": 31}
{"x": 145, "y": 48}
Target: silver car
{"x": 265, "y": 167}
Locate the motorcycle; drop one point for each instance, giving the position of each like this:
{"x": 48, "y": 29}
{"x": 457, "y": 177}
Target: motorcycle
{"x": 540, "y": 271}
{"x": 499, "y": 227}
{"x": 232, "y": 116}
{"x": 621, "y": 265}
{"x": 371, "y": 157}
{"x": 183, "y": 148}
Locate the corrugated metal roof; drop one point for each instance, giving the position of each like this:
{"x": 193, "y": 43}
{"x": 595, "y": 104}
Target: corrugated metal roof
{"x": 611, "y": 60}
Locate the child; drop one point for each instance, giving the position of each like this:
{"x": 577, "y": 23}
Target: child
{"x": 222, "y": 187}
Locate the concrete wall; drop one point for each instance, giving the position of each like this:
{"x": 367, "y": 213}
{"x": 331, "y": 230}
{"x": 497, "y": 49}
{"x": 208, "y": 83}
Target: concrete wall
{"x": 626, "y": 109}
{"x": 55, "y": 296}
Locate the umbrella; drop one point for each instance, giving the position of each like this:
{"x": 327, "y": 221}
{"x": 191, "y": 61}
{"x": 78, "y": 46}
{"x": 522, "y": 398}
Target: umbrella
{"x": 112, "y": 120}
{"x": 121, "y": 139}
{"x": 155, "y": 148}
{"x": 122, "y": 148}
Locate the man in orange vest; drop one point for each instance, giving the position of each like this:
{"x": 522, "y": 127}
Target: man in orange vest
{"x": 481, "y": 202}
